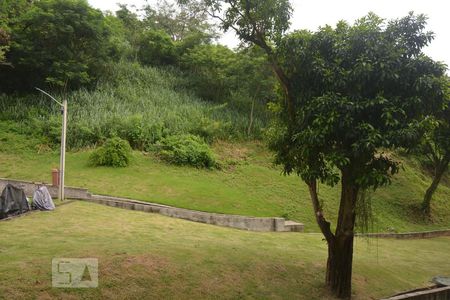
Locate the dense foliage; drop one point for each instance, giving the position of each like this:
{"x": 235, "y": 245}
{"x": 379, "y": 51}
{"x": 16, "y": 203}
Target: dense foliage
{"x": 55, "y": 42}
{"x": 353, "y": 97}
{"x": 187, "y": 150}
{"x": 139, "y": 104}
{"x": 96, "y": 60}
{"x": 115, "y": 152}
{"x": 156, "y": 48}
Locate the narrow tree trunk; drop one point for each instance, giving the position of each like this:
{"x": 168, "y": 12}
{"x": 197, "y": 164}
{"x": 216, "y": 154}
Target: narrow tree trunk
{"x": 340, "y": 253}
{"x": 251, "y": 119}
{"x": 440, "y": 170}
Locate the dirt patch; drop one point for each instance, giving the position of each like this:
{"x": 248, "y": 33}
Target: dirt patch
{"x": 125, "y": 276}
{"x": 148, "y": 262}
{"x": 227, "y": 151}
{"x": 123, "y": 263}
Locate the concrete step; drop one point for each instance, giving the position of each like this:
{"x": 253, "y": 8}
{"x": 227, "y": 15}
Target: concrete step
{"x": 293, "y": 226}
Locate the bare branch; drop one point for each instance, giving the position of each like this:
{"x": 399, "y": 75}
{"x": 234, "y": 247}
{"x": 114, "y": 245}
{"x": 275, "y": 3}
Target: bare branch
{"x": 324, "y": 225}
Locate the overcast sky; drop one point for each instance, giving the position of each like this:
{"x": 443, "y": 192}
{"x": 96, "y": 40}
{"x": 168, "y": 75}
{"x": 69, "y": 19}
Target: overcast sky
{"x": 314, "y": 13}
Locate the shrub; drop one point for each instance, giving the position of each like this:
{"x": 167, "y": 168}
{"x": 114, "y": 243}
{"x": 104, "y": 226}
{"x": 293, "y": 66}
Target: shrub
{"x": 115, "y": 152}
{"x": 187, "y": 150}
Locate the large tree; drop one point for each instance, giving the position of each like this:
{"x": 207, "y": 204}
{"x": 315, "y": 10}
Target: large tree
{"x": 179, "y": 21}
{"x": 56, "y": 42}
{"x": 258, "y": 22}
{"x": 10, "y": 11}
{"x": 253, "y": 82}
{"x": 351, "y": 94}
{"x": 156, "y": 48}
{"x": 360, "y": 92}
{"x": 133, "y": 28}
{"x": 209, "y": 69}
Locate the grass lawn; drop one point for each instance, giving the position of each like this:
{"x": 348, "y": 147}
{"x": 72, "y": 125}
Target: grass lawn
{"x": 151, "y": 256}
{"x": 248, "y": 184}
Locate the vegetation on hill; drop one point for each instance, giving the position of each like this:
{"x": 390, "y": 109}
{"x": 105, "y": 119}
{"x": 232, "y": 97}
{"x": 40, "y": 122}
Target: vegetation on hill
{"x": 139, "y": 104}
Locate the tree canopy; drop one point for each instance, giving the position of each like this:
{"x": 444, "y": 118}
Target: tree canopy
{"x": 180, "y": 21}
{"x": 57, "y": 42}
{"x": 357, "y": 89}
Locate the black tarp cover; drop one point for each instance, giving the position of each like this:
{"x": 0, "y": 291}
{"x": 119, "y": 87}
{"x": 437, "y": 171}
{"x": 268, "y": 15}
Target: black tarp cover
{"x": 13, "y": 202}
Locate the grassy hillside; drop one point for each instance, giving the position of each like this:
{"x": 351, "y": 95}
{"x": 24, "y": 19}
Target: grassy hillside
{"x": 248, "y": 184}
{"x": 143, "y": 105}
{"x": 139, "y": 104}
{"x": 144, "y": 256}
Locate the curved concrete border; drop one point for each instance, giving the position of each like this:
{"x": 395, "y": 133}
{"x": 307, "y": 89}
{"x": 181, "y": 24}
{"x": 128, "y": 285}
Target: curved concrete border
{"x": 408, "y": 235}
{"x": 234, "y": 221}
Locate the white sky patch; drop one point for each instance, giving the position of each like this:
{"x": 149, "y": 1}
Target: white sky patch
{"x": 310, "y": 14}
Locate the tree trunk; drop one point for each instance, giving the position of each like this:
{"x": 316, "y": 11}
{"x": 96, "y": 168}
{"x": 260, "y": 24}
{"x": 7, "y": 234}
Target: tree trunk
{"x": 439, "y": 172}
{"x": 249, "y": 130}
{"x": 340, "y": 253}
{"x": 340, "y": 244}
{"x": 339, "y": 267}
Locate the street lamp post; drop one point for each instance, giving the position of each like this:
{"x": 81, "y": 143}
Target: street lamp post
{"x": 62, "y": 160}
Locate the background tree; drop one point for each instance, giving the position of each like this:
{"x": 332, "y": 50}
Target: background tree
{"x": 257, "y": 22}
{"x": 209, "y": 68}
{"x": 56, "y": 42}
{"x": 435, "y": 146}
{"x": 10, "y": 10}
{"x": 119, "y": 45}
{"x": 220, "y": 75}
{"x": 180, "y": 21}
{"x": 156, "y": 48}
{"x": 253, "y": 82}
{"x": 133, "y": 28}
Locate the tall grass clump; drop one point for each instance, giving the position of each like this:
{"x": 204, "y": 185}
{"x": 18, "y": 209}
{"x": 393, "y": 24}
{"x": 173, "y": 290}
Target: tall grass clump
{"x": 139, "y": 104}
{"x": 187, "y": 150}
{"x": 115, "y": 152}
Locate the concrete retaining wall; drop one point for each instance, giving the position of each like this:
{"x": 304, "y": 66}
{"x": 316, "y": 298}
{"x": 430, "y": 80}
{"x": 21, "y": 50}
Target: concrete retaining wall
{"x": 434, "y": 293}
{"x": 408, "y": 235}
{"x": 29, "y": 188}
{"x": 234, "y": 221}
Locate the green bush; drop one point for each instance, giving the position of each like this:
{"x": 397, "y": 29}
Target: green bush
{"x": 115, "y": 152}
{"x": 187, "y": 150}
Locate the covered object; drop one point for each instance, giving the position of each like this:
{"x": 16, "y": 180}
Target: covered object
{"x": 42, "y": 199}
{"x": 13, "y": 202}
